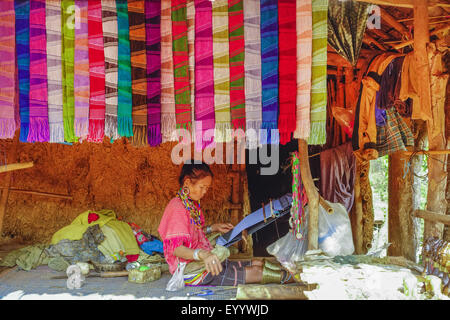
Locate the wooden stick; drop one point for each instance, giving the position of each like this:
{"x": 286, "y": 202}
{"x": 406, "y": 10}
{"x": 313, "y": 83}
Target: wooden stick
{"x": 16, "y": 166}
{"x": 426, "y": 152}
{"x": 38, "y": 193}
{"x": 390, "y": 20}
{"x": 369, "y": 40}
{"x": 405, "y": 3}
{"x": 432, "y": 216}
{"x": 325, "y": 205}
{"x": 411, "y": 42}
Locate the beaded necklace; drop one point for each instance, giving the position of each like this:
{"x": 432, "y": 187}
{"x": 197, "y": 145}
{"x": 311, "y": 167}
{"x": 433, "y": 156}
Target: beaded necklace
{"x": 194, "y": 209}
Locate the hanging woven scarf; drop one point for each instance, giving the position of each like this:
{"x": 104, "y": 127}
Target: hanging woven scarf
{"x": 153, "y": 46}
{"x": 204, "y": 74}
{"x": 22, "y": 9}
{"x": 181, "y": 65}
{"x": 252, "y": 35}
{"x": 319, "y": 72}
{"x": 110, "y": 44}
{"x": 54, "y": 67}
{"x": 124, "y": 98}
{"x": 221, "y": 54}
{"x": 7, "y": 70}
{"x": 190, "y": 20}
{"x": 96, "y": 73}
{"x": 168, "y": 121}
{"x": 287, "y": 39}
{"x": 297, "y": 219}
{"x": 81, "y": 70}
{"x": 236, "y": 47}
{"x": 68, "y": 43}
{"x": 38, "y": 130}
{"x": 136, "y": 14}
{"x": 304, "y": 60}
{"x": 269, "y": 70}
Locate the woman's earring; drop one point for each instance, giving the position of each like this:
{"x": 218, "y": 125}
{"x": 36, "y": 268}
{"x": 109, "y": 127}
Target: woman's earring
{"x": 185, "y": 191}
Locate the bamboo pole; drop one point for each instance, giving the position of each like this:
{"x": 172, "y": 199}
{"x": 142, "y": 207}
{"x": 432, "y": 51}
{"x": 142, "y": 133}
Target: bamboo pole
{"x": 358, "y": 210}
{"x": 16, "y": 166}
{"x": 432, "y": 216}
{"x": 38, "y": 193}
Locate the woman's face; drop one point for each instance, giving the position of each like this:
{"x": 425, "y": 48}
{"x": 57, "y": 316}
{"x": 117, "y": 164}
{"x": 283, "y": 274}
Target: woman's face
{"x": 198, "y": 188}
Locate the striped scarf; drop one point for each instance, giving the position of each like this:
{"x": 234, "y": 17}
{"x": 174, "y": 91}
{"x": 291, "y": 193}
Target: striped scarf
{"x": 287, "y": 40}
{"x": 236, "y": 47}
{"x": 304, "y": 56}
{"x": 168, "y": 121}
{"x": 110, "y": 44}
{"x": 153, "y": 46}
{"x": 204, "y": 74}
{"x": 54, "y": 67}
{"x": 96, "y": 73}
{"x": 252, "y": 35}
{"x": 180, "y": 64}
{"x": 38, "y": 130}
{"x": 269, "y": 70}
{"x": 7, "y": 70}
{"x": 68, "y": 43}
{"x": 124, "y": 95}
{"x": 136, "y": 13}
{"x": 22, "y": 9}
{"x": 221, "y": 71}
{"x": 81, "y": 71}
{"x": 190, "y": 20}
{"x": 319, "y": 72}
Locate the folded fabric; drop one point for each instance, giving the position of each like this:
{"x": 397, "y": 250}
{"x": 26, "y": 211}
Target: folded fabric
{"x": 26, "y": 258}
{"x": 152, "y": 246}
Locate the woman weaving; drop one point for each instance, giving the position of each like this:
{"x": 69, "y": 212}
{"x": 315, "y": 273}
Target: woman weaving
{"x": 183, "y": 232}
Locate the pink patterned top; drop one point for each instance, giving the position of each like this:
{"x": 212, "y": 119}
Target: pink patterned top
{"x": 175, "y": 230}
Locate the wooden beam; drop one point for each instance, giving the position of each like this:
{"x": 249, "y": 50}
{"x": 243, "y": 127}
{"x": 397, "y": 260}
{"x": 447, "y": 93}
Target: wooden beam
{"x": 432, "y": 216}
{"x": 432, "y": 33}
{"x": 16, "y": 166}
{"x": 390, "y": 20}
{"x": 369, "y": 40}
{"x": 406, "y": 3}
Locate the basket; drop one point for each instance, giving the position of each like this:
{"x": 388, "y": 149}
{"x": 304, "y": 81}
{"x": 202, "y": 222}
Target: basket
{"x": 106, "y": 267}
{"x": 137, "y": 276}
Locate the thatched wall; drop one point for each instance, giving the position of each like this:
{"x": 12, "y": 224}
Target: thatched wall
{"x": 137, "y": 183}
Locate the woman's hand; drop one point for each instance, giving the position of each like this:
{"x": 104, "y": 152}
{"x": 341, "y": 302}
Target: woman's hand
{"x": 221, "y": 227}
{"x": 212, "y": 263}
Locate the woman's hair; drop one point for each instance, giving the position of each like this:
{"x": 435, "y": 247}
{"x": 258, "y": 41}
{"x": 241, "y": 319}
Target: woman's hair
{"x": 194, "y": 171}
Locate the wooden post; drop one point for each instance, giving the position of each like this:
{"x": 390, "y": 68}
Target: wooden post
{"x": 16, "y": 166}
{"x": 312, "y": 194}
{"x": 358, "y": 212}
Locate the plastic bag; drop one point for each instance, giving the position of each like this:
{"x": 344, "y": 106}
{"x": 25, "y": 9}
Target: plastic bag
{"x": 177, "y": 281}
{"x": 335, "y": 231}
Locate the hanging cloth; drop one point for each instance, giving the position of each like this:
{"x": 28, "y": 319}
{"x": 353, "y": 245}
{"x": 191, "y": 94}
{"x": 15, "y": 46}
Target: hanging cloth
{"x": 287, "y": 39}
{"x": 304, "y": 60}
{"x": 269, "y": 71}
{"x": 252, "y": 64}
{"x": 153, "y": 47}
{"x": 168, "y": 121}
{"x": 7, "y": 70}
{"x": 318, "y": 118}
{"x": 96, "y": 73}
{"x": 81, "y": 70}
{"x": 54, "y": 67}
{"x": 124, "y": 95}
{"x": 136, "y": 13}
{"x": 68, "y": 58}
{"x": 236, "y": 47}
{"x": 221, "y": 54}
{"x": 190, "y": 22}
{"x": 110, "y": 45}
{"x": 22, "y": 9}
{"x": 204, "y": 74}
{"x": 346, "y": 26}
{"x": 181, "y": 65}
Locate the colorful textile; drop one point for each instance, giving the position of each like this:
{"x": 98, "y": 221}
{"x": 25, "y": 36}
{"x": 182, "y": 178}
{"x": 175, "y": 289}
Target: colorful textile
{"x": 319, "y": 72}
{"x": 136, "y": 14}
{"x": 237, "y": 71}
{"x": 153, "y": 47}
{"x": 124, "y": 100}
{"x": 81, "y": 70}
{"x": 287, "y": 39}
{"x": 204, "y": 74}
{"x": 7, "y": 70}
{"x": 54, "y": 67}
{"x": 395, "y": 135}
{"x": 96, "y": 73}
{"x": 176, "y": 229}
{"x": 304, "y": 60}
{"x": 181, "y": 65}
{"x": 388, "y": 83}
{"x": 22, "y": 9}
{"x": 269, "y": 71}
{"x": 110, "y": 45}
{"x": 190, "y": 22}
{"x": 68, "y": 57}
{"x": 221, "y": 71}
{"x": 168, "y": 121}
{"x": 252, "y": 64}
